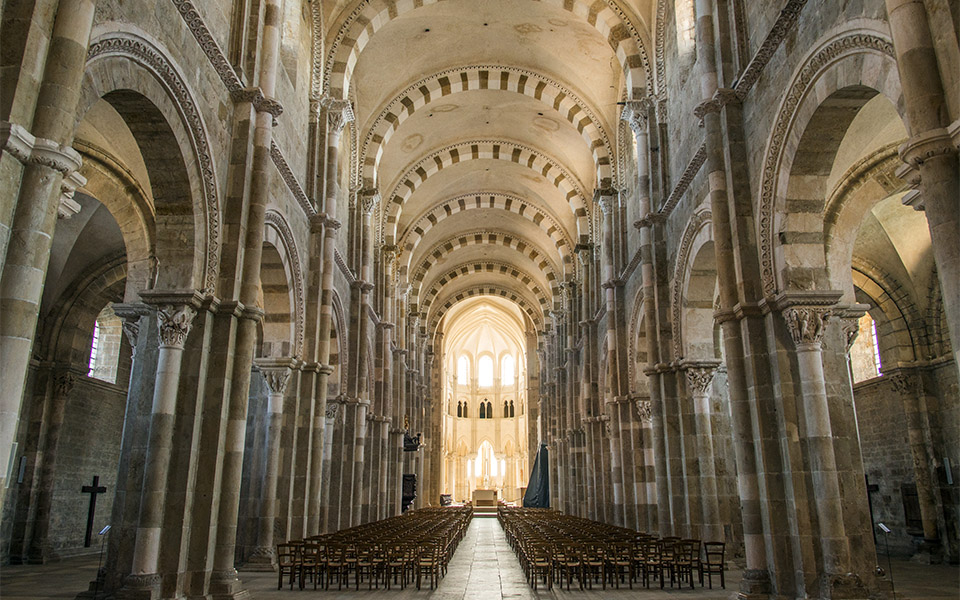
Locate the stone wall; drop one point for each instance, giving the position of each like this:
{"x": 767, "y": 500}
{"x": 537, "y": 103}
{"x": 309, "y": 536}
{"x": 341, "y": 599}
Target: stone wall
{"x": 89, "y": 446}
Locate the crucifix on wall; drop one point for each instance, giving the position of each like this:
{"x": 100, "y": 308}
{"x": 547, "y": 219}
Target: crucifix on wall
{"x": 93, "y": 490}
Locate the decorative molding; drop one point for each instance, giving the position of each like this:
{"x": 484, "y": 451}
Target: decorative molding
{"x": 342, "y": 266}
{"x": 798, "y": 90}
{"x": 785, "y": 22}
{"x": 291, "y": 180}
{"x": 927, "y": 145}
{"x": 905, "y": 383}
{"x": 145, "y": 54}
{"x": 686, "y": 178}
{"x": 30, "y": 150}
{"x": 276, "y": 220}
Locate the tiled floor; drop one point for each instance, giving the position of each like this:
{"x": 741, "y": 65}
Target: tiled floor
{"x": 483, "y": 568}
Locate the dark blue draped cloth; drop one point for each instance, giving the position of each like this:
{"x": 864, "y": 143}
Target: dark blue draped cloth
{"x": 538, "y": 490}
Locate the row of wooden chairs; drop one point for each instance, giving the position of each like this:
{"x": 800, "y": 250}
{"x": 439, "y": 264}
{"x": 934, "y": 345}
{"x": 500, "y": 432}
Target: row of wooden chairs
{"x": 400, "y": 550}
{"x": 557, "y": 548}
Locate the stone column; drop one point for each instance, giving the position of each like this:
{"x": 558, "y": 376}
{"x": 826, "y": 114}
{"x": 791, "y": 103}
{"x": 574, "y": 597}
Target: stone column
{"x": 174, "y": 321}
{"x": 805, "y": 322}
{"x": 277, "y": 374}
{"x": 932, "y": 147}
{"x": 338, "y": 113}
{"x": 47, "y": 158}
{"x": 909, "y": 386}
{"x": 699, "y": 380}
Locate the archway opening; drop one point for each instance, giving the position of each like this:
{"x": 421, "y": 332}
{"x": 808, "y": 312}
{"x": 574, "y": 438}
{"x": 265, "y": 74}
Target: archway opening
{"x": 485, "y": 422}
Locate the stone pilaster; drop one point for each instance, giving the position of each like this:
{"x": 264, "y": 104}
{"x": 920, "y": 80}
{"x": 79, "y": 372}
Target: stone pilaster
{"x": 699, "y": 380}
{"x": 277, "y": 374}
{"x": 175, "y": 314}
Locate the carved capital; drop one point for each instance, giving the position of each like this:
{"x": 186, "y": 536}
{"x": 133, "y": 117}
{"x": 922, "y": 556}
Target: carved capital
{"x": 332, "y": 410}
{"x": 927, "y": 145}
{"x": 645, "y": 410}
{"x": 339, "y": 113}
{"x": 369, "y": 199}
{"x": 31, "y": 150}
{"x": 63, "y": 383}
{"x": 174, "y": 321}
{"x": 277, "y": 372}
{"x": 68, "y": 189}
{"x": 634, "y": 114}
{"x": 699, "y": 379}
{"x": 806, "y": 323}
{"x": 905, "y": 383}
{"x": 721, "y": 98}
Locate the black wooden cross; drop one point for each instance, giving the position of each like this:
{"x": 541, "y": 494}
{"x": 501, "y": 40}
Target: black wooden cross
{"x": 93, "y": 490}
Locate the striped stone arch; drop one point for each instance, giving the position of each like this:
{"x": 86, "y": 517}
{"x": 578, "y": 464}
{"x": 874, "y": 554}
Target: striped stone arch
{"x": 481, "y": 267}
{"x": 445, "y": 248}
{"x": 370, "y": 16}
{"x": 525, "y": 304}
{"x": 416, "y": 232}
{"x": 487, "y": 77}
{"x": 278, "y": 234}
{"x": 700, "y": 221}
{"x": 863, "y": 58}
{"x": 489, "y": 150}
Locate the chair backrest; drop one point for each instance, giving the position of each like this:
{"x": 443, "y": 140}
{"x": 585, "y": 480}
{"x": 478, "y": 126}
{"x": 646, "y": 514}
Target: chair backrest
{"x": 713, "y": 552}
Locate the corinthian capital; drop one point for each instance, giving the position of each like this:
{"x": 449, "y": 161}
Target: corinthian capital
{"x": 174, "y": 322}
{"x": 634, "y": 114}
{"x": 339, "y": 113}
{"x": 699, "y": 378}
{"x": 369, "y": 199}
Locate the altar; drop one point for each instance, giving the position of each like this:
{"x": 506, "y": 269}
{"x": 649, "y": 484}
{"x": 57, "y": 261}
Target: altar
{"x": 484, "y": 497}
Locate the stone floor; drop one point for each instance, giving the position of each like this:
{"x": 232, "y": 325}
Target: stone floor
{"x": 483, "y": 568}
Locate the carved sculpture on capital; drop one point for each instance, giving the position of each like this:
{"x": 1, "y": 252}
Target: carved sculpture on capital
{"x": 806, "y": 323}
{"x": 645, "y": 410}
{"x": 174, "y": 324}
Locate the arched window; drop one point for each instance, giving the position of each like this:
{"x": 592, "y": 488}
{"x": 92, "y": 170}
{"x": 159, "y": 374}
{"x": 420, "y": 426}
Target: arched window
{"x": 459, "y": 409}
{"x": 463, "y": 371}
{"x": 507, "y": 372}
{"x": 489, "y": 410}
{"x": 485, "y": 371}
{"x": 506, "y": 409}
{"x": 483, "y": 411}
{"x": 464, "y": 409}
{"x": 511, "y": 409}
{"x": 865, "y": 353}
{"x": 105, "y": 346}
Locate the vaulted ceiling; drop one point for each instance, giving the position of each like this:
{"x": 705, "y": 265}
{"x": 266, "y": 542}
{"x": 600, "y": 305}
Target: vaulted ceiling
{"x": 486, "y": 126}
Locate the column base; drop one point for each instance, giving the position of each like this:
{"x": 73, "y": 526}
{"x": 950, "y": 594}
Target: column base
{"x": 754, "y": 585}
{"x": 262, "y": 560}
{"x": 97, "y": 588}
{"x": 225, "y": 585}
{"x": 140, "y": 587}
{"x": 846, "y": 586}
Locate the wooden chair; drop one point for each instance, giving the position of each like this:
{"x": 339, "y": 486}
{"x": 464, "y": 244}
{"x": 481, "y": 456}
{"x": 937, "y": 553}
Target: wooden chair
{"x": 713, "y": 562}
{"x": 569, "y": 563}
{"x": 286, "y": 563}
{"x": 396, "y": 566}
{"x": 620, "y": 563}
{"x": 683, "y": 562}
{"x": 335, "y": 565}
{"x": 651, "y": 561}
{"x": 540, "y": 565}
{"x": 594, "y": 563}
{"x": 696, "y": 565}
{"x": 309, "y": 564}
{"x": 668, "y": 561}
{"x": 428, "y": 563}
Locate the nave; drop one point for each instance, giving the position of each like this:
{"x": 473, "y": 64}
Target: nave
{"x": 483, "y": 568}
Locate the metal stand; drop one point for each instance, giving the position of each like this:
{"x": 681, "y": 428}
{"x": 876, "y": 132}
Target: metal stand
{"x": 886, "y": 541}
{"x": 102, "y": 534}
